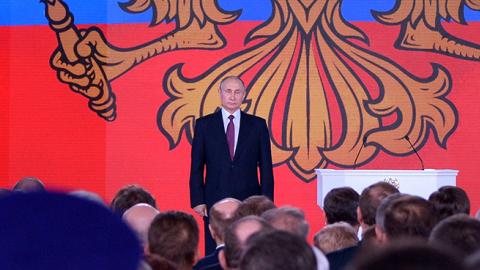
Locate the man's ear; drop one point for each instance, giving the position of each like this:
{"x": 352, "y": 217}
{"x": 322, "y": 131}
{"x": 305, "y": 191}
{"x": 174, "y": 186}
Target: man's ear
{"x": 221, "y": 259}
{"x": 359, "y": 216}
{"x": 381, "y": 235}
{"x": 197, "y": 257}
{"x": 146, "y": 249}
{"x": 213, "y": 233}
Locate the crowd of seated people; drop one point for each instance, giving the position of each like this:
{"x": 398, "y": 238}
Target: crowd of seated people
{"x": 380, "y": 228}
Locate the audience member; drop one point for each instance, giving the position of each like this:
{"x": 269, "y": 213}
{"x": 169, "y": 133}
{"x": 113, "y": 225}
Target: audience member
{"x": 236, "y": 236}
{"x": 173, "y": 235}
{"x": 460, "y": 233}
{"x": 77, "y": 229}
{"x": 139, "y": 217}
{"x": 130, "y": 195}
{"x": 340, "y": 204}
{"x": 41, "y": 230}
{"x": 450, "y": 200}
{"x": 29, "y": 184}
{"x": 88, "y": 195}
{"x": 406, "y": 256}
{"x": 292, "y": 220}
{"x": 278, "y": 250}
{"x": 369, "y": 201}
{"x": 401, "y": 216}
{"x": 335, "y": 237}
{"x": 221, "y": 216}
{"x": 288, "y": 219}
{"x": 254, "y": 205}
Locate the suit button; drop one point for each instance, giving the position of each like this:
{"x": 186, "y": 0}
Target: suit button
{"x": 232, "y": 166}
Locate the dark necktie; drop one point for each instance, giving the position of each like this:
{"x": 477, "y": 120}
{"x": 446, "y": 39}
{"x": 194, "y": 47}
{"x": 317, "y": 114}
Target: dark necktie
{"x": 231, "y": 136}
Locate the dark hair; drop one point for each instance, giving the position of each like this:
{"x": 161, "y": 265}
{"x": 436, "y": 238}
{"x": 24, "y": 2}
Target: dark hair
{"x": 254, "y": 206}
{"x": 234, "y": 246}
{"x": 459, "y": 232}
{"x": 406, "y": 256}
{"x": 409, "y": 216}
{"x": 278, "y": 250}
{"x": 340, "y": 204}
{"x": 450, "y": 200}
{"x": 159, "y": 263}
{"x": 29, "y": 184}
{"x": 371, "y": 198}
{"x": 130, "y": 195}
{"x": 289, "y": 219}
{"x": 174, "y": 236}
{"x": 219, "y": 220}
{"x": 59, "y": 229}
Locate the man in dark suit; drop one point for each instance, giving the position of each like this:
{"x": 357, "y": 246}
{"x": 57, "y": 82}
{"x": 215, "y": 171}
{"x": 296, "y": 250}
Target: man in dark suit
{"x": 232, "y": 146}
{"x": 221, "y": 216}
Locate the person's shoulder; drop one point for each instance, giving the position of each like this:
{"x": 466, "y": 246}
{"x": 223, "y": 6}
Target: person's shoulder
{"x": 253, "y": 118}
{"x": 207, "y": 118}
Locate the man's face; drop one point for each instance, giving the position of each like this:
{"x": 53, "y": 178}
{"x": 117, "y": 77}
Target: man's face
{"x": 232, "y": 94}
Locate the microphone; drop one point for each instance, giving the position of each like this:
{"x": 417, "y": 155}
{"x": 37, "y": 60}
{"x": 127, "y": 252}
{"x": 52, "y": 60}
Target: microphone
{"x": 414, "y": 150}
{"x": 359, "y": 151}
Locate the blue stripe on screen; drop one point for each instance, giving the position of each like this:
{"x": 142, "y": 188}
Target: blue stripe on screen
{"x": 30, "y": 12}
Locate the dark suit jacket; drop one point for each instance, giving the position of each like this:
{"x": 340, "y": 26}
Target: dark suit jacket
{"x": 210, "y": 261}
{"x": 237, "y": 178}
{"x": 340, "y": 259}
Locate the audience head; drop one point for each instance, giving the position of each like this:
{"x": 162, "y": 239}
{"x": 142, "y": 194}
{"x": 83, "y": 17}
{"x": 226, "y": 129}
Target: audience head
{"x": 221, "y": 216}
{"x": 288, "y": 219}
{"x": 406, "y": 256}
{"x": 29, "y": 184}
{"x": 236, "y": 236}
{"x": 340, "y": 204}
{"x": 61, "y": 231}
{"x": 174, "y": 236}
{"x": 370, "y": 199}
{"x": 4, "y": 192}
{"x": 459, "y": 232}
{"x": 335, "y": 236}
{"x": 401, "y": 216}
{"x": 130, "y": 195}
{"x": 88, "y": 195}
{"x": 139, "y": 217}
{"x": 278, "y": 250}
{"x": 254, "y": 205}
{"x": 450, "y": 200}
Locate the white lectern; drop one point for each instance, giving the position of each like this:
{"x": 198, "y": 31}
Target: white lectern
{"x": 415, "y": 182}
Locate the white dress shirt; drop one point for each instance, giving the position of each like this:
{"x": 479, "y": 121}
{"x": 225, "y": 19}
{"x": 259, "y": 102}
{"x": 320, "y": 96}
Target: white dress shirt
{"x": 236, "y": 123}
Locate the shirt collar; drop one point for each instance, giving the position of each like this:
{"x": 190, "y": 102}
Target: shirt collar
{"x": 226, "y": 114}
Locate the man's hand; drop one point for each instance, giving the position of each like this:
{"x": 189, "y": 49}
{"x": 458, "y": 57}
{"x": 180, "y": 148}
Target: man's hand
{"x": 201, "y": 210}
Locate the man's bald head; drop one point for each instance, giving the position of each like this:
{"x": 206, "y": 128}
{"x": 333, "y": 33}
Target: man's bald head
{"x": 139, "y": 217}
{"x": 221, "y": 216}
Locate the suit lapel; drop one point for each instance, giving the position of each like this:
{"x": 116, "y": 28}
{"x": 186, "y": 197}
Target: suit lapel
{"x": 243, "y": 134}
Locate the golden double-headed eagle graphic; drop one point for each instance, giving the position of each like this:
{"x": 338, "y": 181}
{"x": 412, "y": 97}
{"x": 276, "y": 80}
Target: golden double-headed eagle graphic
{"x": 307, "y": 59}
